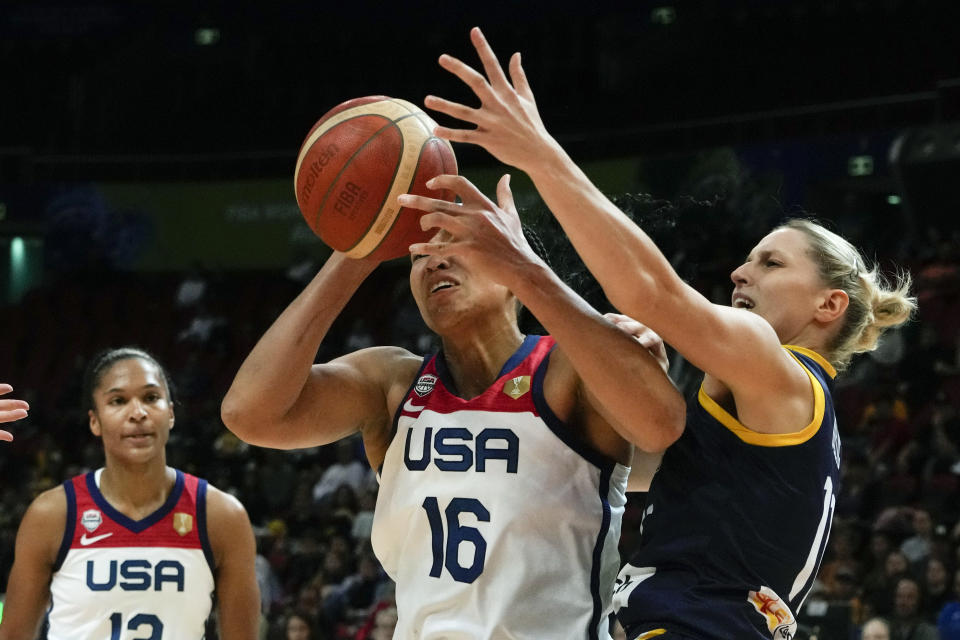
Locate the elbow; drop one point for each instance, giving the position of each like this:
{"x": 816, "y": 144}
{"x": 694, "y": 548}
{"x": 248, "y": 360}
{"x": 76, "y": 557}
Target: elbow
{"x": 677, "y": 421}
{"x": 238, "y": 420}
{"x": 668, "y": 425}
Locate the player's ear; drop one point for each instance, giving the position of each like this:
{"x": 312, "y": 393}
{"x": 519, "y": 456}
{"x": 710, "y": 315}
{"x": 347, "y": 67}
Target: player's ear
{"x": 832, "y": 306}
{"x": 94, "y": 423}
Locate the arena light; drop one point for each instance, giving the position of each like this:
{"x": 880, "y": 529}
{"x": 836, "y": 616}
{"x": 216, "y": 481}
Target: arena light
{"x": 893, "y": 199}
{"x": 16, "y": 252}
{"x": 206, "y": 36}
{"x": 860, "y": 165}
{"x": 663, "y": 15}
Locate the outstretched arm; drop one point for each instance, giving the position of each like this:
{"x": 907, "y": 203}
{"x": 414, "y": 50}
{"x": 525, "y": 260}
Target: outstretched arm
{"x": 624, "y": 381}
{"x": 10, "y": 410}
{"x": 280, "y": 399}
{"x": 636, "y": 277}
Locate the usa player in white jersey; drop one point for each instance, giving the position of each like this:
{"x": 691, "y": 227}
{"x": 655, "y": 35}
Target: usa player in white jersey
{"x": 136, "y": 549}
{"x": 10, "y": 410}
{"x": 502, "y": 459}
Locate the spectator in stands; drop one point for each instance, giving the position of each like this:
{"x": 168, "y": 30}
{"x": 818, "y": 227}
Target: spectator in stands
{"x": 917, "y": 547}
{"x": 945, "y": 437}
{"x": 876, "y": 629}
{"x": 885, "y": 424}
{"x": 357, "y": 592}
{"x": 858, "y": 498}
{"x": 907, "y": 622}
{"x": 936, "y": 592}
{"x": 278, "y": 480}
{"x": 878, "y": 547}
{"x": 300, "y": 627}
{"x": 380, "y": 623}
{"x": 948, "y": 621}
{"x": 837, "y": 578}
{"x": 271, "y": 592}
{"x": 363, "y": 521}
{"x": 346, "y": 470}
{"x": 878, "y": 587}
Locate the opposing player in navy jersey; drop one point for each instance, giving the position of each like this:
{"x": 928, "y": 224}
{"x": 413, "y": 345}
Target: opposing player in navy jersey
{"x": 502, "y": 460}
{"x": 136, "y": 549}
{"x": 10, "y": 410}
{"x": 740, "y": 510}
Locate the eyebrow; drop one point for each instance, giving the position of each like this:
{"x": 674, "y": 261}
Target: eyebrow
{"x": 121, "y": 389}
{"x": 766, "y": 252}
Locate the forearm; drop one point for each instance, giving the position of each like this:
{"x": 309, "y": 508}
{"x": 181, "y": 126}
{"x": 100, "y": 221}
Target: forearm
{"x": 271, "y": 378}
{"x": 626, "y": 382}
{"x": 27, "y": 598}
{"x": 240, "y": 621}
{"x": 633, "y": 272}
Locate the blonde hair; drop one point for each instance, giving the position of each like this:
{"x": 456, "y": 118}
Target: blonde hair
{"x": 875, "y": 304}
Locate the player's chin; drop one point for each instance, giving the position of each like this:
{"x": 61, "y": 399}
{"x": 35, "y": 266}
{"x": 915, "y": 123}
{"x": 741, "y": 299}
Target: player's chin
{"x": 439, "y": 317}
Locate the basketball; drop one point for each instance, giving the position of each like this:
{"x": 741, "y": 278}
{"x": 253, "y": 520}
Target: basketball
{"x": 355, "y": 162}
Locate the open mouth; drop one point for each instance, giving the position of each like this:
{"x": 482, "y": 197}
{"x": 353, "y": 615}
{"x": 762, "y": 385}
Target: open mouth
{"x": 440, "y": 285}
{"x": 742, "y": 302}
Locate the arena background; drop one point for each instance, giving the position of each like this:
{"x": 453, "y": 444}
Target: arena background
{"x": 146, "y": 157}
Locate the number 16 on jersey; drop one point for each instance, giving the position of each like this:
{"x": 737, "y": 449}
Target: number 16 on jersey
{"x": 448, "y": 555}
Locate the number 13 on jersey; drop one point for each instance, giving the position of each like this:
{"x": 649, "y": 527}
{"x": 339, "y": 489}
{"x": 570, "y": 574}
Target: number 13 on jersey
{"x": 448, "y": 555}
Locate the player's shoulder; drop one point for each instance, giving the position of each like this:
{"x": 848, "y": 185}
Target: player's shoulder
{"x": 380, "y": 356}
{"x": 50, "y": 502}
{"x": 48, "y": 511}
{"x": 223, "y": 505}
{"x": 228, "y": 525}
{"x": 392, "y": 354}
{"x": 387, "y": 364}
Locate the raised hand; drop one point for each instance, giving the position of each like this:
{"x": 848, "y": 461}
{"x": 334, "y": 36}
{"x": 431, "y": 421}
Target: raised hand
{"x": 508, "y": 124}
{"x": 486, "y": 236}
{"x": 10, "y": 410}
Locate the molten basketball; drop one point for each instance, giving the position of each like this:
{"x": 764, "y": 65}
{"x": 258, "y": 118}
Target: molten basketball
{"x": 355, "y": 162}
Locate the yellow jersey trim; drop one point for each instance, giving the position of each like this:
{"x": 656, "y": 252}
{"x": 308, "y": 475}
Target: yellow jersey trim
{"x": 651, "y": 634}
{"x": 771, "y": 439}
{"x": 816, "y": 357}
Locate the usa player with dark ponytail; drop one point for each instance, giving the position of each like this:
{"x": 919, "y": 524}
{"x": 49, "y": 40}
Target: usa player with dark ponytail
{"x": 136, "y": 548}
{"x": 502, "y": 459}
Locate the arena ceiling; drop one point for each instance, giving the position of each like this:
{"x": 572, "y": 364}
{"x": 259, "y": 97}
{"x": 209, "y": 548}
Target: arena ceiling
{"x": 243, "y": 81}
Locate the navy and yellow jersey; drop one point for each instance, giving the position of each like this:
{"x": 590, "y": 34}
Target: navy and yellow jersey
{"x": 736, "y": 523}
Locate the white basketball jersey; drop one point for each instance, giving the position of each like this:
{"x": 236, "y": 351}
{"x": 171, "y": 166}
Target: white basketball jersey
{"x": 121, "y": 579}
{"x": 492, "y": 518}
